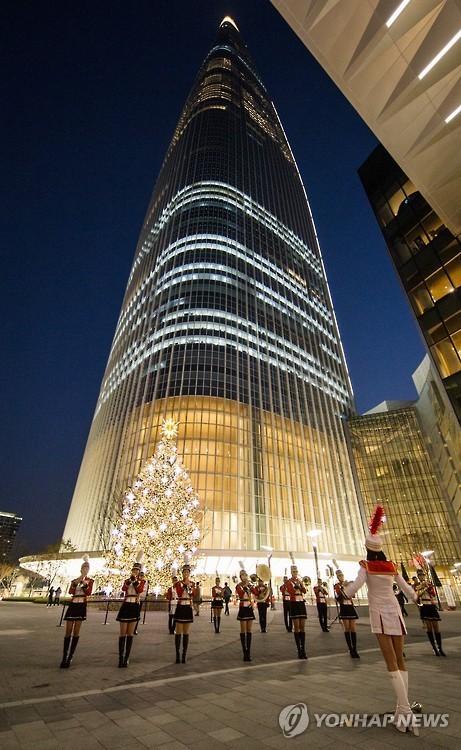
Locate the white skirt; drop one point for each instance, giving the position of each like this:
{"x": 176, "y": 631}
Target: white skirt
{"x": 387, "y": 620}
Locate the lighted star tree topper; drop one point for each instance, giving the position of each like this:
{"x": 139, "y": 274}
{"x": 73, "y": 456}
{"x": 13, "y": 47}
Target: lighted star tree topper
{"x": 160, "y": 517}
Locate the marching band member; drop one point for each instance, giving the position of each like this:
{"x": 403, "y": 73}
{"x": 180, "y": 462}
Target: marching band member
{"x": 80, "y": 588}
{"x": 217, "y": 604}
{"x": 321, "y": 598}
{"x": 286, "y": 605}
{"x": 185, "y": 592}
{"x": 171, "y": 597}
{"x": 295, "y": 588}
{"x": 130, "y": 612}
{"x": 347, "y": 614}
{"x": 385, "y": 616}
{"x": 245, "y": 613}
{"x": 428, "y": 611}
{"x": 142, "y": 597}
{"x": 263, "y": 597}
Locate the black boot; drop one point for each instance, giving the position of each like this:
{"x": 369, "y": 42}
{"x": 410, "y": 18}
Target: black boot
{"x": 248, "y": 642}
{"x": 218, "y": 624}
{"x": 438, "y": 638}
{"x": 64, "y": 664}
{"x": 430, "y": 635}
{"x": 121, "y": 649}
{"x": 302, "y": 644}
{"x": 215, "y": 626}
{"x": 244, "y": 648}
{"x": 298, "y": 643}
{"x": 347, "y": 636}
{"x": 73, "y": 646}
{"x": 354, "y": 653}
{"x": 185, "y": 643}
{"x": 129, "y": 643}
{"x": 177, "y": 643}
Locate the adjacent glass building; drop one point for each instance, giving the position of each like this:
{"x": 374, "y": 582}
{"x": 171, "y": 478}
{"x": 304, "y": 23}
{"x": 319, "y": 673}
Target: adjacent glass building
{"x": 394, "y": 467}
{"x": 227, "y": 327}
{"x": 427, "y": 258}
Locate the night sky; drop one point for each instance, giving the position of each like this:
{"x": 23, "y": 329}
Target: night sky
{"x": 91, "y": 92}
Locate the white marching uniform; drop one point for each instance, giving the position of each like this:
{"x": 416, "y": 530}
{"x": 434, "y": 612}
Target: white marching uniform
{"x": 384, "y": 609}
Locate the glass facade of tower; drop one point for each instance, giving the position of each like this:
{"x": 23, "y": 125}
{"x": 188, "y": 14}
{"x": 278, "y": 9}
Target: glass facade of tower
{"x": 227, "y": 326}
{"x": 394, "y": 467}
{"x": 427, "y": 258}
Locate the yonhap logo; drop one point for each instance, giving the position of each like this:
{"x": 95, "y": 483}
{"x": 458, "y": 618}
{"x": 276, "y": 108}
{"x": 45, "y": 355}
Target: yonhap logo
{"x": 294, "y": 719}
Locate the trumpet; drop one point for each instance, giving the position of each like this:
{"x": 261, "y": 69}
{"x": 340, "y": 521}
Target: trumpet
{"x": 307, "y": 581}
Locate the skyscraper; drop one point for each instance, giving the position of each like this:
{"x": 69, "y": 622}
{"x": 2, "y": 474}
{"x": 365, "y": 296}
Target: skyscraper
{"x": 227, "y": 327}
{"x": 9, "y": 526}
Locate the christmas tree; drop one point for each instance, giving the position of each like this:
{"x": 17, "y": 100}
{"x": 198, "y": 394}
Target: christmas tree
{"x": 159, "y": 517}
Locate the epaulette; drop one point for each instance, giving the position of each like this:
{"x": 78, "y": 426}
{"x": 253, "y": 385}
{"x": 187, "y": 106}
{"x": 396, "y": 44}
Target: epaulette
{"x": 379, "y": 567}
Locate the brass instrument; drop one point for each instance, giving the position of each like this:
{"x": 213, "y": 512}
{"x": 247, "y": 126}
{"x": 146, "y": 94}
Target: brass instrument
{"x": 263, "y": 572}
{"x": 263, "y": 593}
{"x": 307, "y": 581}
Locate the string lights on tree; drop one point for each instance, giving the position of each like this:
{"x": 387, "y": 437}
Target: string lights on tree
{"x": 160, "y": 516}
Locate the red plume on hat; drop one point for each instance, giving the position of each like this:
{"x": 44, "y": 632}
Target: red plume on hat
{"x": 376, "y": 519}
{"x": 373, "y": 540}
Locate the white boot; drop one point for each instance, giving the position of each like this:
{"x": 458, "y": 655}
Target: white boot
{"x": 403, "y": 714}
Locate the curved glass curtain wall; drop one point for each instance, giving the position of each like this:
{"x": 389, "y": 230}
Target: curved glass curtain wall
{"x": 227, "y": 326}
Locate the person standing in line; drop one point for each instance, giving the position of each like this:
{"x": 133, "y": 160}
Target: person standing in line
{"x": 347, "y": 614}
{"x": 57, "y": 597}
{"x": 386, "y": 619}
{"x": 245, "y": 613}
{"x": 197, "y": 598}
{"x": 50, "y": 597}
{"x": 185, "y": 595}
{"x": 429, "y": 613}
{"x": 286, "y": 606}
{"x": 298, "y": 615}
{"x": 226, "y": 595}
{"x": 171, "y": 599}
{"x": 217, "y": 604}
{"x": 80, "y": 588}
{"x": 262, "y": 594}
{"x": 142, "y": 597}
{"x": 130, "y": 612}
{"x": 321, "y": 598}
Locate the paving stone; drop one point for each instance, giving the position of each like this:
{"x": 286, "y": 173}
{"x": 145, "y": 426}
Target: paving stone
{"x": 226, "y": 734}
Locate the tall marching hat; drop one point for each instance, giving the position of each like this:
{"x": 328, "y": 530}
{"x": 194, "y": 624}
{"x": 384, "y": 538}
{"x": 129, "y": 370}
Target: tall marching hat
{"x": 186, "y": 565}
{"x": 137, "y": 565}
{"x": 373, "y": 541}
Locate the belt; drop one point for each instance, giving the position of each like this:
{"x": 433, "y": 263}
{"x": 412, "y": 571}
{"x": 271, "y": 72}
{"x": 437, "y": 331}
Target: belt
{"x": 131, "y": 599}
{"x": 79, "y": 598}
{"x": 184, "y": 600}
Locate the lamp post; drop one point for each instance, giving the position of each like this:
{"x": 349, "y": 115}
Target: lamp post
{"x": 269, "y": 556}
{"x": 313, "y": 534}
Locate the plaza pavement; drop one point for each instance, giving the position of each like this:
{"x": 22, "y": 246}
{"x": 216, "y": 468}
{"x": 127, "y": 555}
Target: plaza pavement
{"x": 215, "y": 701}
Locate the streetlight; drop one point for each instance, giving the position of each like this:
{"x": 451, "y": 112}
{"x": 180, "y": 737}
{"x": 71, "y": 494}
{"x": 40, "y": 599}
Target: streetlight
{"x": 313, "y": 534}
{"x": 269, "y": 555}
